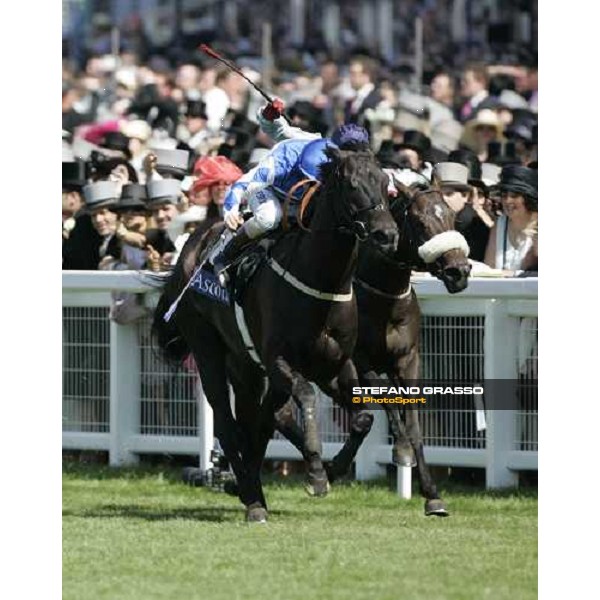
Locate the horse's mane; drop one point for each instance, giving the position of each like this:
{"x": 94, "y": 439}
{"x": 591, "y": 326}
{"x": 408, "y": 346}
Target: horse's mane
{"x": 334, "y": 169}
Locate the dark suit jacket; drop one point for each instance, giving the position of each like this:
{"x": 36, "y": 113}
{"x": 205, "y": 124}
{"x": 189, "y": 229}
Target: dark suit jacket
{"x": 82, "y": 250}
{"x": 371, "y": 101}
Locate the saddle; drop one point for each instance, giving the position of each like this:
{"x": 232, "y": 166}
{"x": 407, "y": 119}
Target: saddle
{"x": 241, "y": 270}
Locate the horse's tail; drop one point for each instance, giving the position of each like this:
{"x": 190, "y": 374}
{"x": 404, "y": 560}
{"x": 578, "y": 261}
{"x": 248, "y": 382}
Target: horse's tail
{"x": 172, "y": 344}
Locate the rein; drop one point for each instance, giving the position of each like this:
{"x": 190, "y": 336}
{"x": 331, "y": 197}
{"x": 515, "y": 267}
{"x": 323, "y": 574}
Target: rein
{"x": 306, "y": 198}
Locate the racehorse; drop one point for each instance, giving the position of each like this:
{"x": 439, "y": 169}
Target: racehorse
{"x": 387, "y": 350}
{"x": 297, "y": 320}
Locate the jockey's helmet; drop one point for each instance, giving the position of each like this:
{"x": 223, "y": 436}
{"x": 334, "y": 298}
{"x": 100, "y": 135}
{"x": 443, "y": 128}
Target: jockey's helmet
{"x": 312, "y": 157}
{"x": 349, "y": 135}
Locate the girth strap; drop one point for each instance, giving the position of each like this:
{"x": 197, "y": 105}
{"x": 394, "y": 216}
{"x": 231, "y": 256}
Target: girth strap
{"x": 305, "y": 289}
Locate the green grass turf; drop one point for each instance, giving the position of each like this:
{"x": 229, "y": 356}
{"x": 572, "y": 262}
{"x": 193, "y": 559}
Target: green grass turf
{"x": 142, "y": 534}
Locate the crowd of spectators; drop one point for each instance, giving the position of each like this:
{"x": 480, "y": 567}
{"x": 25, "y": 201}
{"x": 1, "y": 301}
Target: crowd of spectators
{"x": 150, "y": 148}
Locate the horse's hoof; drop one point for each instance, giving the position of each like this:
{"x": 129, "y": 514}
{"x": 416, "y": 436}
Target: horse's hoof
{"x": 436, "y": 507}
{"x": 317, "y": 488}
{"x": 256, "y": 513}
{"x": 404, "y": 457}
{"x": 192, "y": 476}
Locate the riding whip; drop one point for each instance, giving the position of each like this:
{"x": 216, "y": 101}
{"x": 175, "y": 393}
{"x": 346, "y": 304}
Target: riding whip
{"x": 213, "y": 54}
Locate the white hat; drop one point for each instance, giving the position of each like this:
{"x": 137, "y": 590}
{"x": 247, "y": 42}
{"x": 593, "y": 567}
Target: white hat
{"x": 137, "y": 129}
{"x": 485, "y": 117}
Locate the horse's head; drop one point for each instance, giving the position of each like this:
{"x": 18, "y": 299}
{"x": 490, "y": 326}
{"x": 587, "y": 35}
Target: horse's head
{"x": 428, "y": 237}
{"x": 356, "y": 190}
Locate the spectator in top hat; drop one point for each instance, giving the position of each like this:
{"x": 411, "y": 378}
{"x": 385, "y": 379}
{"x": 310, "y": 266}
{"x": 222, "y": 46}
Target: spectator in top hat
{"x": 194, "y": 130}
{"x": 452, "y": 179}
{"x": 163, "y": 198}
{"x": 101, "y": 199}
{"x": 397, "y": 169}
{"x": 479, "y": 189}
{"x": 414, "y": 150}
{"x": 133, "y": 224}
{"x": 92, "y": 236}
{"x": 512, "y": 237}
{"x": 73, "y": 179}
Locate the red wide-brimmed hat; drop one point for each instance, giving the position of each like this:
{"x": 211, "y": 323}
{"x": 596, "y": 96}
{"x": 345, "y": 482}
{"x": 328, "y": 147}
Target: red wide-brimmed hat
{"x": 211, "y": 170}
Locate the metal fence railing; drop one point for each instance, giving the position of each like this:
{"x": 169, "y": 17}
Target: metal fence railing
{"x": 119, "y": 395}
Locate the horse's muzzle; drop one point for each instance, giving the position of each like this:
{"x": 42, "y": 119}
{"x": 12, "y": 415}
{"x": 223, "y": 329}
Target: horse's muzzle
{"x": 456, "y": 278}
{"x": 386, "y": 240}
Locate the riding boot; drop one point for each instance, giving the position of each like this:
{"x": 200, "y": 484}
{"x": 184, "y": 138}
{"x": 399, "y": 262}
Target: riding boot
{"x": 231, "y": 251}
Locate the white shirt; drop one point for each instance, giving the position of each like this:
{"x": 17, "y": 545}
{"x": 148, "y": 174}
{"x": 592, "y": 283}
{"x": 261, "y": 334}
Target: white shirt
{"x": 364, "y": 91}
{"x": 217, "y": 104}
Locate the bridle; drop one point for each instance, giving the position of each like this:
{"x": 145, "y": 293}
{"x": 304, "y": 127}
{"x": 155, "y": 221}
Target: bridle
{"x": 399, "y": 208}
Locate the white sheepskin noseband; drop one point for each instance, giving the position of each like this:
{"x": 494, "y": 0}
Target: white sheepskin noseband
{"x": 431, "y": 250}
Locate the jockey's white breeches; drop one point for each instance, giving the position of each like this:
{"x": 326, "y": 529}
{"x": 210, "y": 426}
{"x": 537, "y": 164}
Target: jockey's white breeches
{"x": 266, "y": 213}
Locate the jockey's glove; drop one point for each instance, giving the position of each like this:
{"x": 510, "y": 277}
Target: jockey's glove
{"x": 273, "y": 110}
{"x": 232, "y": 218}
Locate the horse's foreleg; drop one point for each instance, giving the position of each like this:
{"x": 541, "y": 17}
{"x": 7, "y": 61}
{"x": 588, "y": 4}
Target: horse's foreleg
{"x": 289, "y": 428}
{"x": 285, "y": 382}
{"x": 361, "y": 420}
{"x": 434, "y": 505}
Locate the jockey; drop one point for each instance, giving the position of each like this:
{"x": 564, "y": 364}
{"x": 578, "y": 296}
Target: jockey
{"x": 265, "y": 187}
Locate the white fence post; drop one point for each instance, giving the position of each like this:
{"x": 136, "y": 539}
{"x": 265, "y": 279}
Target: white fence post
{"x": 125, "y": 391}
{"x": 367, "y": 466}
{"x": 500, "y": 349}
{"x": 205, "y": 427}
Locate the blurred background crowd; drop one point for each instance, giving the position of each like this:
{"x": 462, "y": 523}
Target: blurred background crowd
{"x": 154, "y": 131}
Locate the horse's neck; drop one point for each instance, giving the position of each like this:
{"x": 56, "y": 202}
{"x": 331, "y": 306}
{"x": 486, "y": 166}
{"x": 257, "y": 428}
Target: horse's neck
{"x": 325, "y": 258}
{"x": 386, "y": 275}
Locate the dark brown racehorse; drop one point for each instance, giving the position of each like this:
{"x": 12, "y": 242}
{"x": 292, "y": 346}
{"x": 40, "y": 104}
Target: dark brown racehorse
{"x": 300, "y": 320}
{"x": 387, "y": 351}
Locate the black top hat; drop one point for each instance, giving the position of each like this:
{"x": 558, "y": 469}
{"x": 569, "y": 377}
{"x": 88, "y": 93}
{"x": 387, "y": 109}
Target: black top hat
{"x": 238, "y": 155}
{"x": 387, "y": 155}
{"x": 196, "y": 108}
{"x": 417, "y": 141}
{"x": 243, "y": 126}
{"x": 436, "y": 155}
{"x": 102, "y": 194}
{"x": 115, "y": 140}
{"x": 468, "y": 158}
{"x": 522, "y": 180}
{"x": 74, "y": 175}
{"x": 133, "y": 196}
{"x": 503, "y": 154}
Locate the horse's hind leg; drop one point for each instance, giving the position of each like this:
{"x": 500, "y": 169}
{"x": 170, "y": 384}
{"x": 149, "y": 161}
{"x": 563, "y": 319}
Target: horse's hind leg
{"x": 210, "y": 355}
